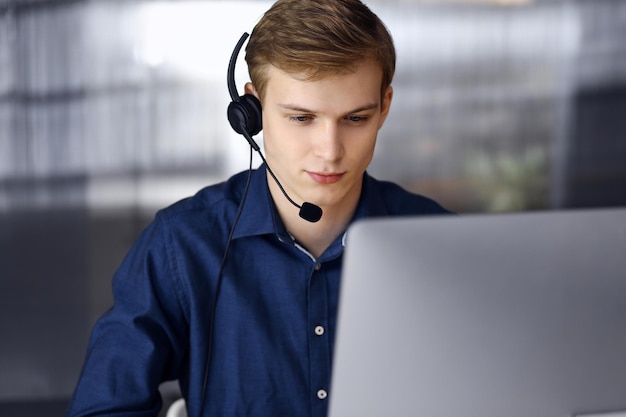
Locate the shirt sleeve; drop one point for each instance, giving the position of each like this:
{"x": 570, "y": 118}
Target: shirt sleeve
{"x": 140, "y": 341}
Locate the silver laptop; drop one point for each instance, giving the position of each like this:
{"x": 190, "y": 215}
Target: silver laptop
{"x": 500, "y": 315}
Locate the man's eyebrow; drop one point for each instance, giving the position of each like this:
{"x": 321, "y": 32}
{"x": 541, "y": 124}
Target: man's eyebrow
{"x": 295, "y": 107}
{"x": 370, "y": 106}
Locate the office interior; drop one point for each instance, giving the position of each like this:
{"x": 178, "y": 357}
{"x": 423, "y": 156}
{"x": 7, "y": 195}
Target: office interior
{"x": 110, "y": 110}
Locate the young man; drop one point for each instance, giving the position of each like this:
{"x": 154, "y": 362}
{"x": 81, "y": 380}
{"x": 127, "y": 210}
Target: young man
{"x": 322, "y": 71}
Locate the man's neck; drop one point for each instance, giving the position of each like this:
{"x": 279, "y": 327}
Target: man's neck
{"x": 315, "y": 237}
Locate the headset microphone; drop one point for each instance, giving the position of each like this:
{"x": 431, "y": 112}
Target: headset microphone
{"x": 245, "y": 117}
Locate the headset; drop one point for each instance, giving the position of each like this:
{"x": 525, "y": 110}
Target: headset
{"x": 245, "y": 116}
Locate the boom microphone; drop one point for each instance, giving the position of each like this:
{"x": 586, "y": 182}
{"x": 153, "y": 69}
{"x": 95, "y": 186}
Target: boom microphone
{"x": 308, "y": 211}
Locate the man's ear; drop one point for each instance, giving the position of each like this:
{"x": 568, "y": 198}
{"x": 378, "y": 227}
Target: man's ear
{"x": 250, "y": 89}
{"x": 385, "y": 105}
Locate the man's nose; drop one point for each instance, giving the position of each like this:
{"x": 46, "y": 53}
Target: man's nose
{"x": 328, "y": 145}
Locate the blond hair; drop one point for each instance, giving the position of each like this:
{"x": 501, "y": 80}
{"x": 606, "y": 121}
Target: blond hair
{"x": 319, "y": 38}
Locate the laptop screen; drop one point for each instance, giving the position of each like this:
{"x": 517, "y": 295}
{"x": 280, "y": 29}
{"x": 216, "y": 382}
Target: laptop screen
{"x": 493, "y": 315}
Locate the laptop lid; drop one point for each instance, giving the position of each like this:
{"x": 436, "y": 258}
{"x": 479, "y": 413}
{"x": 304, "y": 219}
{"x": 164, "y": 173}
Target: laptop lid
{"x": 514, "y": 315}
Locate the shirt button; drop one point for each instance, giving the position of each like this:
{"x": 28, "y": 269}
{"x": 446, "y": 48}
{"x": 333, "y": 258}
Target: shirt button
{"x": 318, "y": 266}
{"x": 322, "y": 394}
{"x": 319, "y": 330}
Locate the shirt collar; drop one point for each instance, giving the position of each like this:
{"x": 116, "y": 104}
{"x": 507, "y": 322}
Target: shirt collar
{"x": 259, "y": 215}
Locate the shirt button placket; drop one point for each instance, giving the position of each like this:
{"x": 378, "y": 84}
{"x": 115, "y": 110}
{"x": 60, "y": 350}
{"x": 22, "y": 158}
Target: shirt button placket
{"x": 320, "y": 350}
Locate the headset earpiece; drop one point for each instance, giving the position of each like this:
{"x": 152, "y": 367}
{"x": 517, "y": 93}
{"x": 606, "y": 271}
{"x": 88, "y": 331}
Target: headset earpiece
{"x": 244, "y": 112}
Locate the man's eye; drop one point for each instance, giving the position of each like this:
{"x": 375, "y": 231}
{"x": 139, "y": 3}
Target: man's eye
{"x": 300, "y": 118}
{"x": 357, "y": 119}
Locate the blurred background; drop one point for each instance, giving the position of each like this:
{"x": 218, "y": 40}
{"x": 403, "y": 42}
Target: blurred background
{"x": 110, "y": 110}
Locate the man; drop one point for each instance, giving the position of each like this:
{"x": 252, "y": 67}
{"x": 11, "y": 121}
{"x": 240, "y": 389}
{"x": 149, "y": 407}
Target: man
{"x": 249, "y": 330}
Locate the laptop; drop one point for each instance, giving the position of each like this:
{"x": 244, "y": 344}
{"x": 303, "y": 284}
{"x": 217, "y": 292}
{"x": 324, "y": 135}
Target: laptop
{"x": 485, "y": 315}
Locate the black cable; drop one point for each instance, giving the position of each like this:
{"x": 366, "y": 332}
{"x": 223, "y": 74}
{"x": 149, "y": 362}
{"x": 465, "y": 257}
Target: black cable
{"x": 218, "y": 285}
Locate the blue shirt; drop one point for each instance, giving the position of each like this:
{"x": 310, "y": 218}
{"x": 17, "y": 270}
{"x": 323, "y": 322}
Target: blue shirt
{"x": 275, "y": 318}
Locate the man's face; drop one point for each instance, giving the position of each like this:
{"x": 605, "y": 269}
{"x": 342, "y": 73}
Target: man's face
{"x": 319, "y": 136}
